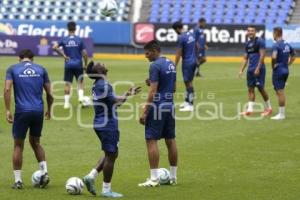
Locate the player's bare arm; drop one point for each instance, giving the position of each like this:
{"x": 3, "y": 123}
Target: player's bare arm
{"x": 152, "y": 92}
{"x": 292, "y": 57}
{"x": 262, "y": 53}
{"x": 243, "y": 65}
{"x": 60, "y": 52}
{"x": 131, "y": 92}
{"x": 50, "y": 99}
{"x": 7, "y": 99}
{"x": 178, "y": 56}
{"x": 274, "y": 58}
{"x": 85, "y": 58}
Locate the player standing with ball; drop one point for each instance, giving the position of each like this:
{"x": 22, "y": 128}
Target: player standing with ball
{"x": 106, "y": 127}
{"x": 158, "y": 116}
{"x": 28, "y": 80}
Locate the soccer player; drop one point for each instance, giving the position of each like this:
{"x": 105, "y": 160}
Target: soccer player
{"x": 201, "y": 46}
{"x": 186, "y": 49}
{"x": 106, "y": 127}
{"x": 283, "y": 56}
{"x": 254, "y": 58}
{"x": 73, "y": 52}
{"x": 158, "y": 115}
{"x": 28, "y": 80}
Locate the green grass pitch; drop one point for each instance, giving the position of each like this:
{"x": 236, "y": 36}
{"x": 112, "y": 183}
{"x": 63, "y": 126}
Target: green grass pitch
{"x": 219, "y": 159}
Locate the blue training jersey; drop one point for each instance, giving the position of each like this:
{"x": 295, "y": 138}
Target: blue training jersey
{"x": 186, "y": 42}
{"x": 73, "y": 46}
{"x": 283, "y": 50}
{"x": 104, "y": 99}
{"x": 28, "y": 82}
{"x": 253, "y": 46}
{"x": 163, "y": 71}
{"x": 200, "y": 37}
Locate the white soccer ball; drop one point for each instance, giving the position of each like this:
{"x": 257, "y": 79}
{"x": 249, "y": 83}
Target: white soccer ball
{"x": 164, "y": 176}
{"x": 108, "y": 8}
{"x": 35, "y": 178}
{"x": 74, "y": 186}
{"x": 86, "y": 101}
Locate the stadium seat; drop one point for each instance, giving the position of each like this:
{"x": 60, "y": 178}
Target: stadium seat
{"x": 62, "y": 10}
{"x": 223, "y": 11}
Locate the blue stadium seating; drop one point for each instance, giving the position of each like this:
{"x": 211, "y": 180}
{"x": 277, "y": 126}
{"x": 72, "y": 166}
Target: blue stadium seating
{"x": 222, "y": 11}
{"x": 60, "y": 10}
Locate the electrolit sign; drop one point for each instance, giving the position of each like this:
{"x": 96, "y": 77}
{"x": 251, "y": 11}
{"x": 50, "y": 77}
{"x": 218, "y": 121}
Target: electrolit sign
{"x": 114, "y": 33}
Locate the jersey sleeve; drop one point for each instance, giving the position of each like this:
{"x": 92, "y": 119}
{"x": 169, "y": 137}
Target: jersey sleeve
{"x": 292, "y": 51}
{"x": 180, "y": 42}
{"x": 9, "y": 74}
{"x": 262, "y": 44}
{"x": 46, "y": 77}
{"x": 82, "y": 45}
{"x": 154, "y": 73}
{"x": 111, "y": 96}
{"x": 61, "y": 43}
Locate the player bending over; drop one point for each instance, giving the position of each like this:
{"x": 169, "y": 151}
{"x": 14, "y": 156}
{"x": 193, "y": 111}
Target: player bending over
{"x": 106, "y": 127}
{"x": 73, "y": 52}
{"x": 283, "y": 55}
{"x": 254, "y": 58}
{"x": 186, "y": 49}
{"x": 158, "y": 115}
{"x": 28, "y": 80}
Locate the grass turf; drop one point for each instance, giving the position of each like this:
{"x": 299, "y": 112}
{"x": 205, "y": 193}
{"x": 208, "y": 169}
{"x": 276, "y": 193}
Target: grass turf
{"x": 218, "y": 159}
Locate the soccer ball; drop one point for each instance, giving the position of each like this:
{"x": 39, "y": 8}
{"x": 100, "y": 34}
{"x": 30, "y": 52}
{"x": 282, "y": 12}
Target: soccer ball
{"x": 164, "y": 176}
{"x": 74, "y": 186}
{"x": 86, "y": 101}
{"x": 108, "y": 8}
{"x": 36, "y": 178}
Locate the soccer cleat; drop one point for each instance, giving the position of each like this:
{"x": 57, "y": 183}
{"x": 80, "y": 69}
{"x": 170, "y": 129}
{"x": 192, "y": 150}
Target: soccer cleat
{"x": 198, "y": 74}
{"x": 187, "y": 108}
{"x": 246, "y": 113}
{"x": 173, "y": 181}
{"x": 18, "y": 185}
{"x": 184, "y": 104}
{"x": 44, "y": 180}
{"x": 149, "y": 183}
{"x": 267, "y": 112}
{"x": 278, "y": 117}
{"x": 90, "y": 184}
{"x": 111, "y": 194}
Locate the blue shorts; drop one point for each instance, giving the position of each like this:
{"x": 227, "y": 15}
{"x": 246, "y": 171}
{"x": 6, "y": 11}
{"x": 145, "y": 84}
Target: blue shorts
{"x": 202, "y": 53}
{"x": 279, "y": 79}
{"x": 27, "y": 120}
{"x": 160, "y": 125}
{"x": 188, "y": 71}
{"x": 71, "y": 72}
{"x": 256, "y": 81}
{"x": 109, "y": 140}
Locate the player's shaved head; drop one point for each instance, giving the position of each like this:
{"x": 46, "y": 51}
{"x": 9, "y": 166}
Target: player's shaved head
{"x": 96, "y": 71}
{"x": 26, "y": 53}
{"x": 178, "y": 27}
{"x": 71, "y": 26}
{"x": 277, "y": 31}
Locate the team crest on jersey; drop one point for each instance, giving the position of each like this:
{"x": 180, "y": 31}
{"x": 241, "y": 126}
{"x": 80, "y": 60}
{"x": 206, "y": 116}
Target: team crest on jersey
{"x": 29, "y": 72}
{"x": 286, "y": 49}
{"x": 190, "y": 39}
{"x": 71, "y": 43}
{"x": 171, "y": 69}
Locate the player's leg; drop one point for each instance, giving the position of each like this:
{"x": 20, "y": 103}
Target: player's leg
{"x": 17, "y": 163}
{"x": 263, "y": 92}
{"x": 201, "y": 61}
{"x": 36, "y": 127}
{"x": 251, "y": 83}
{"x": 19, "y": 130}
{"x": 189, "y": 97}
{"x": 153, "y": 131}
{"x": 89, "y": 179}
{"x": 68, "y": 78}
{"x": 80, "y": 83}
{"x": 279, "y": 81}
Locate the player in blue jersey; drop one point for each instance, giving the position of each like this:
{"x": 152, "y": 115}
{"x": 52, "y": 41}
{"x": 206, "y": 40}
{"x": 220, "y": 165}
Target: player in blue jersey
{"x": 201, "y": 45}
{"x": 105, "y": 126}
{"x": 158, "y": 114}
{"x": 283, "y": 55}
{"x": 254, "y": 59}
{"x": 28, "y": 80}
{"x": 186, "y": 49}
{"x": 73, "y": 52}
